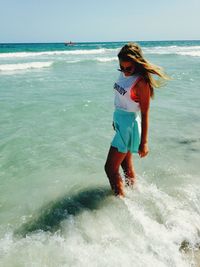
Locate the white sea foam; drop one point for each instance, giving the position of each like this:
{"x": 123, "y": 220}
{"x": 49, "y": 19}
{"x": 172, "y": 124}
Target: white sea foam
{"x": 161, "y": 50}
{"x": 193, "y": 51}
{"x": 25, "y": 66}
{"x": 98, "y": 59}
{"x": 53, "y": 53}
{"x": 190, "y": 53}
{"x": 147, "y": 229}
{"x": 106, "y": 59}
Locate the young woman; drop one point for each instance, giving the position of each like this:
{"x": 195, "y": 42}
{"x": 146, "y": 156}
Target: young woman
{"x": 133, "y": 91}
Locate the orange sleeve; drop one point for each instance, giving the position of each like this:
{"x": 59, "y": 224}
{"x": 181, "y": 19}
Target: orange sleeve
{"x": 133, "y": 95}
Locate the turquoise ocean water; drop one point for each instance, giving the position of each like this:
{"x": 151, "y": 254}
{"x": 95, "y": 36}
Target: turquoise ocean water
{"x": 56, "y": 209}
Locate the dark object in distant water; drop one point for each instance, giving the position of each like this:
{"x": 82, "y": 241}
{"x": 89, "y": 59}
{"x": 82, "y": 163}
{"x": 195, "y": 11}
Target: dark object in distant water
{"x": 69, "y": 43}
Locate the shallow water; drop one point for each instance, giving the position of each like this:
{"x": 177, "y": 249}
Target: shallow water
{"x": 56, "y": 127}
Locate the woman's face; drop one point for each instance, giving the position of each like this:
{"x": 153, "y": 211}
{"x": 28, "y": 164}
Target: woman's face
{"x": 127, "y": 67}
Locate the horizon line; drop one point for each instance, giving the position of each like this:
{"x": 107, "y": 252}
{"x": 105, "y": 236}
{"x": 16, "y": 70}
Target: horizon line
{"x": 82, "y": 42}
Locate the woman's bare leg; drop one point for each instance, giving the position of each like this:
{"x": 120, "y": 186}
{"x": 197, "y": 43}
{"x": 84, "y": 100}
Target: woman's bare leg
{"x": 113, "y": 162}
{"x": 128, "y": 168}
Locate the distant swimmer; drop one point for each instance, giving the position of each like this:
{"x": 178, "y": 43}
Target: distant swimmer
{"x": 69, "y": 43}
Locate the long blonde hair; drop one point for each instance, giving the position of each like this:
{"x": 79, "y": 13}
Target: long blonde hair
{"x": 133, "y": 53}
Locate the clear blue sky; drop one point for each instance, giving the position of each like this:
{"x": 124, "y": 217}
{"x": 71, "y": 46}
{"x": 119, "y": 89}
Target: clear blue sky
{"x": 98, "y": 20}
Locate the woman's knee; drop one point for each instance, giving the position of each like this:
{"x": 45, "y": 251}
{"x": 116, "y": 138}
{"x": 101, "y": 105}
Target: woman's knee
{"x": 110, "y": 170}
{"x": 113, "y": 162}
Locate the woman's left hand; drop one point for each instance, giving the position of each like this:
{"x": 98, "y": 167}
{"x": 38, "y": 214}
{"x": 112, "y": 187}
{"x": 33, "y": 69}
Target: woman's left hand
{"x": 143, "y": 150}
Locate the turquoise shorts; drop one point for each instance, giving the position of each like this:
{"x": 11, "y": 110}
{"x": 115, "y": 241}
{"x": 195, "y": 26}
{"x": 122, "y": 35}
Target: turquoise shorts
{"x": 128, "y": 131}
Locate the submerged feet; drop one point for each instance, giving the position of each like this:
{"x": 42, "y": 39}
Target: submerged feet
{"x": 130, "y": 181}
{"x": 114, "y": 160}
{"x": 117, "y": 184}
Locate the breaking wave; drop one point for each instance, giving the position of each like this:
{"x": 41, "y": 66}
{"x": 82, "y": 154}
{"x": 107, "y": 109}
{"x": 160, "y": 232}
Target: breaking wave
{"x": 25, "y": 66}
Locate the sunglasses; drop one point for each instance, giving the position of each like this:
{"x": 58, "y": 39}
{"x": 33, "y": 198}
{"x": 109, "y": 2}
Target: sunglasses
{"x": 127, "y": 69}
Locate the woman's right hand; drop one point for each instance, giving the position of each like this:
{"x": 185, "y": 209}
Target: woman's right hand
{"x": 143, "y": 150}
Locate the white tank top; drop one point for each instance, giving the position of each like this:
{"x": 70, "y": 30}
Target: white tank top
{"x": 122, "y": 89}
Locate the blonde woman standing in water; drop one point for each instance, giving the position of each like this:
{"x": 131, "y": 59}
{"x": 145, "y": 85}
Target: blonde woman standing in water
{"x": 133, "y": 91}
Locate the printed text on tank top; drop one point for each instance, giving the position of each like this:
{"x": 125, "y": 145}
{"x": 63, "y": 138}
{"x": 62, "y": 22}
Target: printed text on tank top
{"x": 126, "y": 98}
{"x": 133, "y": 93}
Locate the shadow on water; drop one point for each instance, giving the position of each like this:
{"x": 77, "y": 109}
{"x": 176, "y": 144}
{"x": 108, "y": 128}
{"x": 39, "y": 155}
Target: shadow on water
{"x": 50, "y": 216}
{"x": 188, "y": 141}
{"x": 192, "y": 144}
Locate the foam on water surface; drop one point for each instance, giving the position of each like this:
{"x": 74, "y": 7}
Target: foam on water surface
{"x": 145, "y": 228}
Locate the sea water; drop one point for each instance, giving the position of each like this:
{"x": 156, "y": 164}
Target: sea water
{"x": 56, "y": 207}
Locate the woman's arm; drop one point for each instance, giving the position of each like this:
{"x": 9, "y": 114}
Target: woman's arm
{"x": 143, "y": 91}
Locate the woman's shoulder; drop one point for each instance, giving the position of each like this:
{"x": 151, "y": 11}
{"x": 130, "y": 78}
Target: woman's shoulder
{"x": 142, "y": 87}
{"x": 142, "y": 83}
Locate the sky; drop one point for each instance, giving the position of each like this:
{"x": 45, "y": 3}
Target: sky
{"x": 98, "y": 20}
